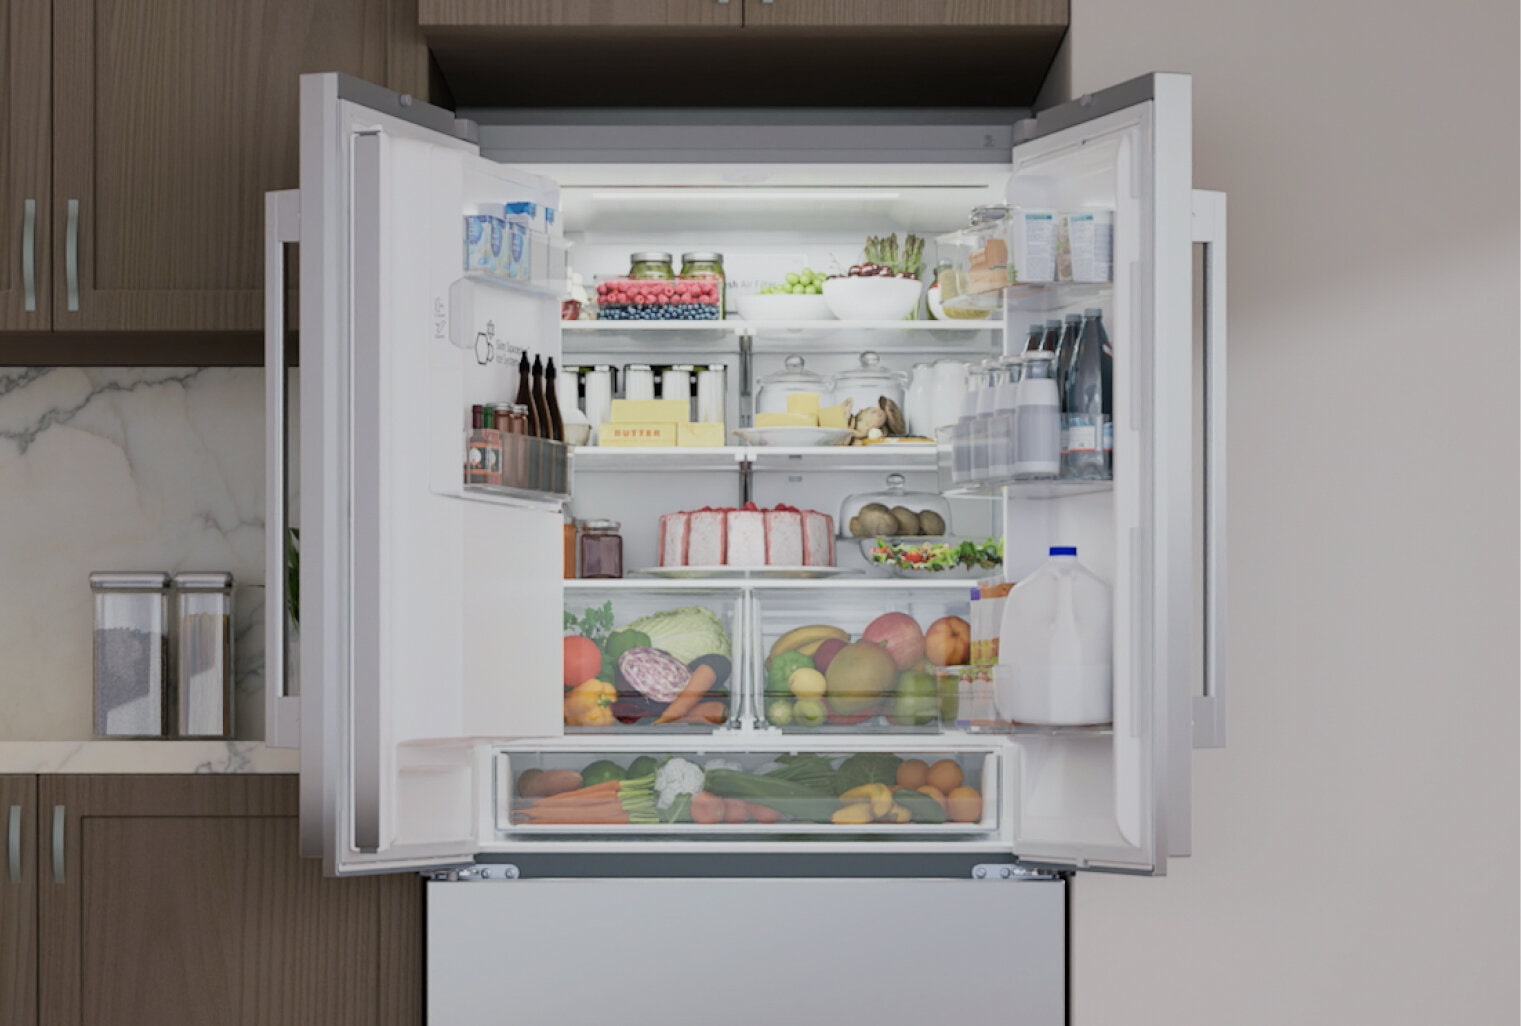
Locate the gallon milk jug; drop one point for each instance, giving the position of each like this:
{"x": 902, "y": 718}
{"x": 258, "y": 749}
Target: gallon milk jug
{"x": 1055, "y": 664}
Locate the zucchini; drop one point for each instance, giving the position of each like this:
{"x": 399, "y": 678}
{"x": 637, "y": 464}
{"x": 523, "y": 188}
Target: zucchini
{"x": 791, "y": 799}
{"x": 923, "y": 808}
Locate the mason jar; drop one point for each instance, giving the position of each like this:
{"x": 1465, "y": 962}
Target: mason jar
{"x": 650, "y": 265}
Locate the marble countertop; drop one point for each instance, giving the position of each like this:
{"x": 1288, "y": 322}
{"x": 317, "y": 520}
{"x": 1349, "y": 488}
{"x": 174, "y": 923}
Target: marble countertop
{"x": 146, "y": 757}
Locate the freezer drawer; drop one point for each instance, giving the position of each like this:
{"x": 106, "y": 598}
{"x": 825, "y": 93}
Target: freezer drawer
{"x": 693, "y": 952}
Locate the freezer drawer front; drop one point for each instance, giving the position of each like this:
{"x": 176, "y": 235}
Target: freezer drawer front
{"x": 693, "y": 952}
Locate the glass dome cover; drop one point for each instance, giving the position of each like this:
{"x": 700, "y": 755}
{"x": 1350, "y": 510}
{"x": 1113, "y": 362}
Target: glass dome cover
{"x": 773, "y": 389}
{"x": 895, "y": 512}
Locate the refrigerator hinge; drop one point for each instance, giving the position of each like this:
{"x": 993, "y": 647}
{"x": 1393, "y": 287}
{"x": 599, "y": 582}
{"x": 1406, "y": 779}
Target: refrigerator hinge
{"x": 474, "y": 874}
{"x": 1006, "y": 871}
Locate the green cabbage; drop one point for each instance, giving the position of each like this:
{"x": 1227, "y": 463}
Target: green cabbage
{"x": 688, "y": 633}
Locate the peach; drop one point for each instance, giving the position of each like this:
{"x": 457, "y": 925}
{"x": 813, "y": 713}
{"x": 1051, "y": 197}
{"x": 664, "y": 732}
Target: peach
{"x": 948, "y": 642}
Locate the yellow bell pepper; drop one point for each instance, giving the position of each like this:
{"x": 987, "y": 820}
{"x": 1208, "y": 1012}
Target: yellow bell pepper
{"x": 591, "y": 704}
{"x": 854, "y": 815}
{"x": 878, "y": 796}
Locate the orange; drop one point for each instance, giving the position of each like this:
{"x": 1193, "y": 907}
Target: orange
{"x": 945, "y": 775}
{"x": 964, "y": 805}
{"x": 935, "y": 793}
{"x": 912, "y": 773}
{"x": 583, "y": 660}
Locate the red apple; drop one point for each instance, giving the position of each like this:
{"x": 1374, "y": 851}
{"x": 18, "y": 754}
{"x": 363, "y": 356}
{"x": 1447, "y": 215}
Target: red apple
{"x": 901, "y": 635}
{"x": 825, "y": 653}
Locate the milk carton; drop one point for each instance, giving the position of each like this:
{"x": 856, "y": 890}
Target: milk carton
{"x": 1055, "y": 654}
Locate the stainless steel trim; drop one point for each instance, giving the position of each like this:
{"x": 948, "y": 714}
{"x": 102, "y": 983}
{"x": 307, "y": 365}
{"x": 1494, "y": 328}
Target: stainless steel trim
{"x": 109, "y": 580}
{"x": 364, "y": 682}
{"x": 29, "y": 255}
{"x": 281, "y": 710}
{"x": 1089, "y": 107}
{"x": 385, "y": 101}
{"x": 71, "y": 256}
{"x": 13, "y": 845}
{"x": 1210, "y": 229}
{"x": 59, "y": 817}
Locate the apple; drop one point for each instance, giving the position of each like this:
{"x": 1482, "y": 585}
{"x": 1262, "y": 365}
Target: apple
{"x": 948, "y": 642}
{"x": 901, "y": 635}
{"x": 779, "y": 712}
{"x": 809, "y": 712}
{"x": 826, "y": 652}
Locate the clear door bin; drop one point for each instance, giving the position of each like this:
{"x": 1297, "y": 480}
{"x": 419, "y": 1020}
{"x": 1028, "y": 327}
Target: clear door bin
{"x": 662, "y": 660}
{"x": 203, "y": 674}
{"x": 131, "y": 654}
{"x": 858, "y": 660}
{"x": 876, "y": 795}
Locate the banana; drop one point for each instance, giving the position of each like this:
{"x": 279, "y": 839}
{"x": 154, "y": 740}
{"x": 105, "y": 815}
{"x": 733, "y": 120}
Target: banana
{"x": 812, "y": 648}
{"x": 813, "y": 634}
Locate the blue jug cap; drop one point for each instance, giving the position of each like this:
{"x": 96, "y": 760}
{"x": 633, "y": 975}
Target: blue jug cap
{"x": 1064, "y": 550}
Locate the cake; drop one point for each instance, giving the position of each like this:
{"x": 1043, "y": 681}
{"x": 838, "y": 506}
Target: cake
{"x": 747, "y": 536}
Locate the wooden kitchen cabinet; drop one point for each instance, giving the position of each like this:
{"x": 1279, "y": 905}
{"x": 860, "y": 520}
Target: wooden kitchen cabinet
{"x": 170, "y": 121}
{"x": 588, "y": 13}
{"x": 18, "y": 901}
{"x": 182, "y": 899}
{"x": 25, "y": 97}
{"x": 919, "y": 14}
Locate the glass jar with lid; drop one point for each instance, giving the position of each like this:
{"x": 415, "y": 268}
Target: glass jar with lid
{"x": 707, "y": 266}
{"x": 601, "y": 548}
{"x": 650, "y": 264}
{"x": 895, "y": 512}
{"x": 771, "y": 395}
{"x": 867, "y": 384}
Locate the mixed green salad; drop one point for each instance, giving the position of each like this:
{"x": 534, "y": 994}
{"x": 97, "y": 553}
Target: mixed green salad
{"x": 937, "y": 557}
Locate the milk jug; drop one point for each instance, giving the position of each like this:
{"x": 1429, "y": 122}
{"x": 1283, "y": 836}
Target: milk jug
{"x": 1055, "y": 648}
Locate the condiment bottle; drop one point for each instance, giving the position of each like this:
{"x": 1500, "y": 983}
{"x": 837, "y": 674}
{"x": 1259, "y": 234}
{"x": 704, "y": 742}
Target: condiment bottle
{"x": 556, "y": 428}
{"x": 601, "y": 549}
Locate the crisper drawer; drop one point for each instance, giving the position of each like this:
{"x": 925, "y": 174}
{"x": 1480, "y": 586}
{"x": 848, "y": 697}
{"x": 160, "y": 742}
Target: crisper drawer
{"x": 658, "y": 660}
{"x": 858, "y": 659}
{"x": 876, "y": 795}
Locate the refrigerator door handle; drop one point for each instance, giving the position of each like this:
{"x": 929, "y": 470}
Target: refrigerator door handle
{"x": 1209, "y": 229}
{"x": 282, "y": 710}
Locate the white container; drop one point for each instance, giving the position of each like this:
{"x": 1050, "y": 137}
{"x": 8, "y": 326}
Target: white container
{"x": 599, "y": 395}
{"x": 872, "y": 299}
{"x": 947, "y": 389}
{"x": 916, "y": 406}
{"x": 1037, "y": 421}
{"x": 1086, "y": 253}
{"x": 756, "y": 307}
{"x": 1056, "y": 665}
{"x": 638, "y": 381}
{"x": 1032, "y": 244}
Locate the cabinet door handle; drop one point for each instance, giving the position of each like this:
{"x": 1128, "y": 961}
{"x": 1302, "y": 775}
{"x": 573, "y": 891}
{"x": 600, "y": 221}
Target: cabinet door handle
{"x": 58, "y": 819}
{"x": 71, "y": 256}
{"x": 13, "y": 845}
{"x": 29, "y": 257}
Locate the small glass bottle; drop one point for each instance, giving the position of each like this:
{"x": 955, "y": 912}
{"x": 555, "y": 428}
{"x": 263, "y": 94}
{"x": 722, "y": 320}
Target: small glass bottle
{"x": 601, "y": 549}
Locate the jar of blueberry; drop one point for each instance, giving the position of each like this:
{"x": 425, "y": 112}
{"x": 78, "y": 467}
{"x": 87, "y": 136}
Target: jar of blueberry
{"x": 650, "y": 265}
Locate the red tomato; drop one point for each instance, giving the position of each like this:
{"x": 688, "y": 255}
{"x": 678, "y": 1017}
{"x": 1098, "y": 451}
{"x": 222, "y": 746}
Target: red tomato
{"x": 583, "y": 660}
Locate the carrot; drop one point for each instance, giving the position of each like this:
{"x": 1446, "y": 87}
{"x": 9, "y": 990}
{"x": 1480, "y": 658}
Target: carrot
{"x": 707, "y": 808}
{"x": 602, "y": 790}
{"x": 698, "y": 684}
{"x": 711, "y": 711}
{"x": 592, "y": 813}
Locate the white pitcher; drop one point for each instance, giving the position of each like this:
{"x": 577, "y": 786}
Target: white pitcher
{"x": 946, "y": 392}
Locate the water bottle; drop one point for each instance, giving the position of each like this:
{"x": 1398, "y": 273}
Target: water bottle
{"x": 1056, "y": 665}
{"x": 1001, "y": 431}
{"x": 1072, "y": 327}
{"x": 1087, "y": 403}
{"x": 1037, "y": 421}
{"x": 988, "y": 376}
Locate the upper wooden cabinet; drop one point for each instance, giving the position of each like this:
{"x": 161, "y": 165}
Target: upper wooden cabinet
{"x": 918, "y": 14}
{"x": 588, "y": 13}
{"x": 24, "y": 159}
{"x": 171, "y": 119}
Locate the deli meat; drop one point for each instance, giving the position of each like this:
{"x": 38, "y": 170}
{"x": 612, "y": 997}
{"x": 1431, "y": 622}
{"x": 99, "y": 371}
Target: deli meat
{"x": 747, "y": 537}
{"x": 784, "y": 537}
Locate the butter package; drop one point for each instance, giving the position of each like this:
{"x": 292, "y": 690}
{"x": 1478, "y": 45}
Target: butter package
{"x": 804, "y": 403}
{"x": 770, "y": 420}
{"x": 630, "y": 435}
{"x": 701, "y": 434}
{"x": 651, "y": 411}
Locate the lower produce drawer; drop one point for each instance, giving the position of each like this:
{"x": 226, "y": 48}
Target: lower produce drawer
{"x": 877, "y": 795}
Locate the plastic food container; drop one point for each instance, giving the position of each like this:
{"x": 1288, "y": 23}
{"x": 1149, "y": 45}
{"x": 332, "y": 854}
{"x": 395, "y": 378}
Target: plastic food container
{"x": 771, "y": 395}
{"x": 895, "y": 512}
{"x": 854, "y": 661}
{"x": 658, "y": 299}
{"x": 868, "y": 383}
{"x": 630, "y": 655}
{"x": 131, "y": 654}
{"x": 203, "y": 669}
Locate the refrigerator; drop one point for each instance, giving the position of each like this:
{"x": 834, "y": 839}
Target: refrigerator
{"x": 420, "y": 661}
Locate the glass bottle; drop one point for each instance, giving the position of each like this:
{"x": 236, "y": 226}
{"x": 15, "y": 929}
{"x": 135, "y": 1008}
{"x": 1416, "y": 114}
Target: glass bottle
{"x": 1087, "y": 403}
{"x": 1072, "y": 327}
{"x": 540, "y": 406}
{"x": 1049, "y": 339}
{"x": 525, "y": 392}
{"x": 1037, "y": 419}
{"x": 1033, "y": 335}
{"x": 650, "y": 265}
{"x": 601, "y": 549}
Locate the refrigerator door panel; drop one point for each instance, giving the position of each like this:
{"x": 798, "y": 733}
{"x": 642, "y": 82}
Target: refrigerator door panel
{"x": 1118, "y": 799}
{"x": 752, "y": 951}
{"x": 423, "y": 606}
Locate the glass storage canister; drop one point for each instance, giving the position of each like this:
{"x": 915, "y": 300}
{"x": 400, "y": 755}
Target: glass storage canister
{"x": 131, "y": 653}
{"x": 895, "y": 513}
{"x": 203, "y": 667}
{"x": 706, "y": 266}
{"x": 601, "y": 548}
{"x": 865, "y": 386}
{"x": 650, "y": 265}
{"x": 771, "y": 395}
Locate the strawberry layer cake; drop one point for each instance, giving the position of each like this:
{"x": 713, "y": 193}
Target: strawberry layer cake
{"x": 747, "y": 537}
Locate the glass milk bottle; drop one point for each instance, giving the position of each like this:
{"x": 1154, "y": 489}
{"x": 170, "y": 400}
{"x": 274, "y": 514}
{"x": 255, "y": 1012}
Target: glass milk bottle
{"x": 1001, "y": 432}
{"x": 1055, "y": 664}
{"x": 1037, "y": 421}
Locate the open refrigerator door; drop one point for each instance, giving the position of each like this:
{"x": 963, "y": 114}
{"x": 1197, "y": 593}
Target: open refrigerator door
{"x": 421, "y": 582}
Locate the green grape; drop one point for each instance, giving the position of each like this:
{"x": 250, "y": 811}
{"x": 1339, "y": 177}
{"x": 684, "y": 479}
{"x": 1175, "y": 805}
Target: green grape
{"x": 792, "y": 278}
{"x": 812, "y": 290}
{"x": 807, "y": 272}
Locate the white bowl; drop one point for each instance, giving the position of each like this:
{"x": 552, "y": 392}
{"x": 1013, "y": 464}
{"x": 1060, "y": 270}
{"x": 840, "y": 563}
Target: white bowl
{"x": 792, "y": 436}
{"x": 872, "y": 299}
{"x": 780, "y": 307}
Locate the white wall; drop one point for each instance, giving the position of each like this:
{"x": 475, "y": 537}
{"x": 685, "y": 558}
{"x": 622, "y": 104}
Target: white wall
{"x": 1356, "y": 845}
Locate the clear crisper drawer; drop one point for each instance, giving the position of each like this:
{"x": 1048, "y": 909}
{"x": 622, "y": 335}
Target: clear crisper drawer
{"x": 858, "y": 659}
{"x": 664, "y": 660}
{"x": 823, "y": 794}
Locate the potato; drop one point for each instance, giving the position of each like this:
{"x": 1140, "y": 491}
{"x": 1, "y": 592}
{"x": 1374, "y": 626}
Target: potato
{"x": 931, "y": 523}
{"x": 550, "y": 782}
{"x": 856, "y": 530}
{"x": 908, "y": 520}
{"x": 872, "y": 507}
{"x": 878, "y": 523}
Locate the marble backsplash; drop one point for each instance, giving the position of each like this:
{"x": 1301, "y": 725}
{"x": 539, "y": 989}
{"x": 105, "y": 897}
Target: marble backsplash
{"x": 121, "y": 469}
